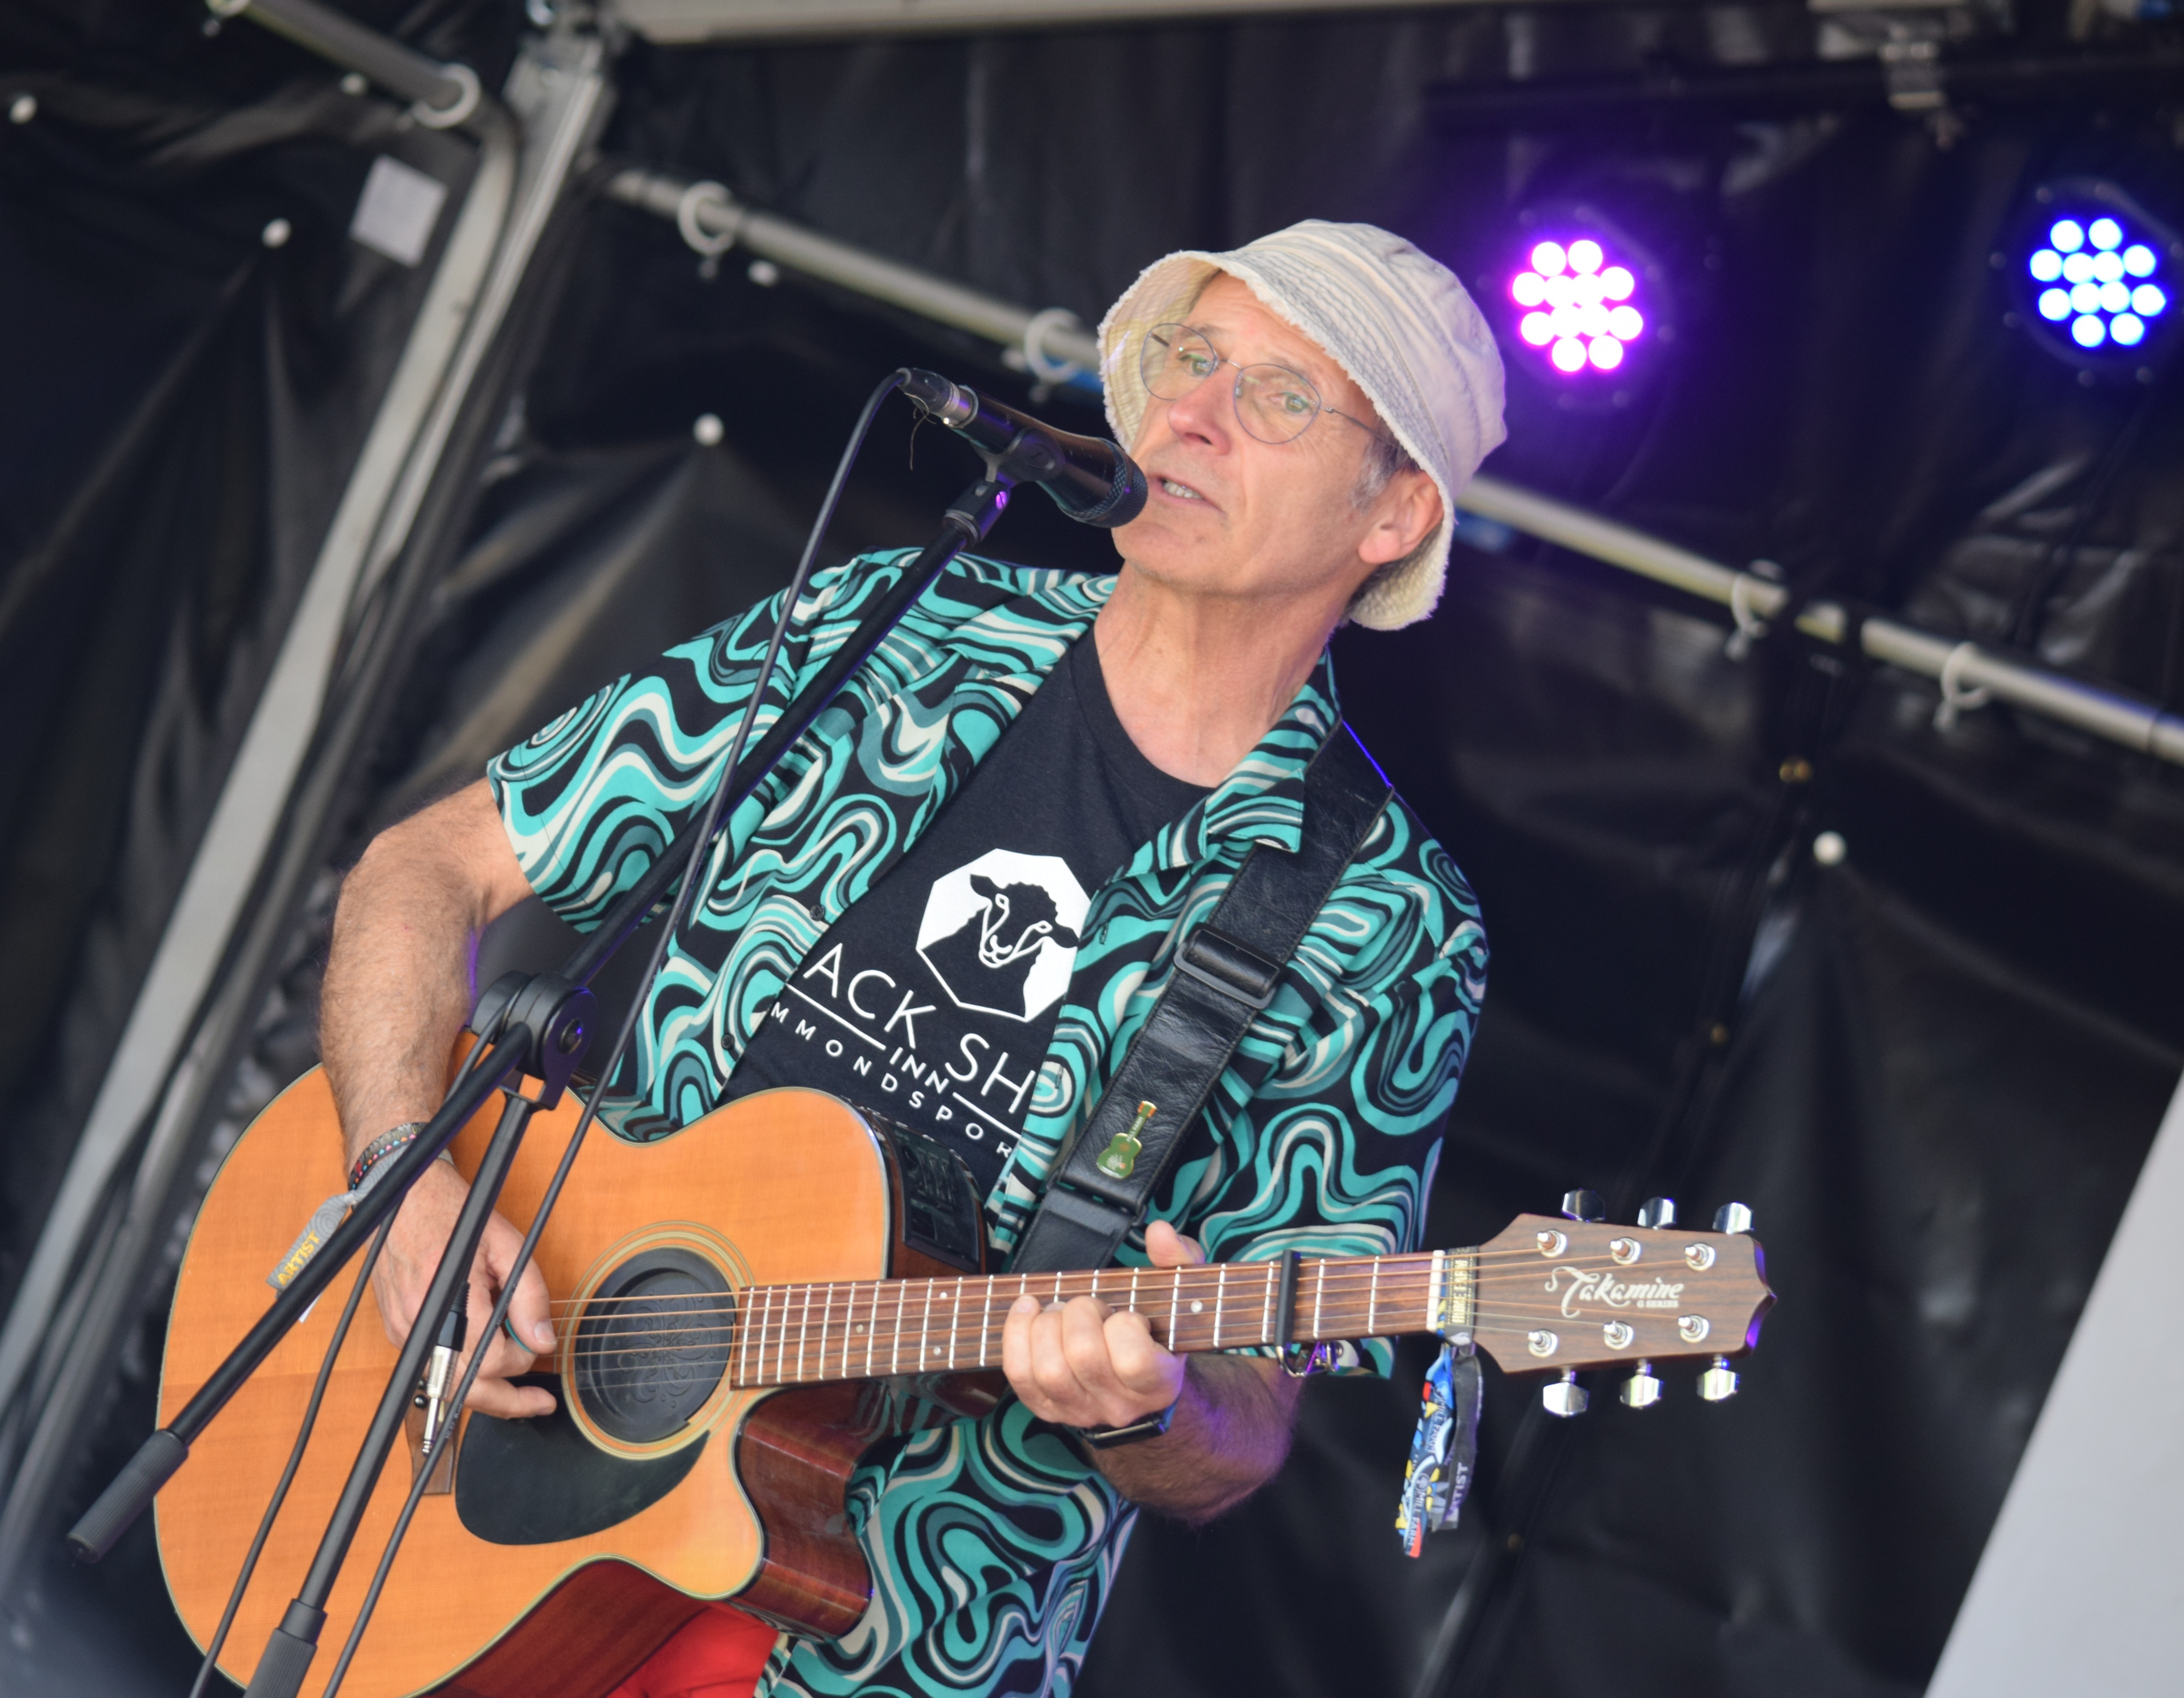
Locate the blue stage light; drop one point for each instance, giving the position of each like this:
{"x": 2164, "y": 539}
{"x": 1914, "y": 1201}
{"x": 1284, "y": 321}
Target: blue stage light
{"x": 2091, "y": 278}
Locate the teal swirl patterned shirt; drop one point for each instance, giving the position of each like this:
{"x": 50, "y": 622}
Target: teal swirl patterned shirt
{"x": 992, "y": 1541}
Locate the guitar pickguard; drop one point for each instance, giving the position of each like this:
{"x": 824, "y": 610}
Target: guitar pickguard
{"x": 535, "y": 1482}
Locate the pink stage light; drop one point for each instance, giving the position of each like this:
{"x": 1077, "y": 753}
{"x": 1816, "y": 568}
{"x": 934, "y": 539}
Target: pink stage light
{"x": 1582, "y": 306}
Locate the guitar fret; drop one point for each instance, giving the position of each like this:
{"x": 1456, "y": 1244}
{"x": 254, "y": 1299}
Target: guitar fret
{"x": 925, "y": 1328}
{"x": 955, "y": 1322}
{"x": 1174, "y": 1308}
{"x": 1318, "y": 1296}
{"x": 1372, "y": 1301}
{"x": 825, "y": 1328}
{"x": 1220, "y": 1297}
{"x": 894, "y": 1345}
{"x": 985, "y": 1322}
{"x": 1267, "y": 1318}
{"x": 849, "y": 1328}
{"x": 803, "y": 1331}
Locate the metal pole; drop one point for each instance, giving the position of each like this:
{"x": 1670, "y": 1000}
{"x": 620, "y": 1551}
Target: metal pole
{"x": 1965, "y": 668}
{"x": 1054, "y": 345}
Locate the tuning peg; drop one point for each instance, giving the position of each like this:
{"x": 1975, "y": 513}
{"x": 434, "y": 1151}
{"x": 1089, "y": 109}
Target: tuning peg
{"x": 1584, "y": 1205}
{"x": 1564, "y": 1396}
{"x": 1732, "y": 1217}
{"x": 1718, "y": 1385}
{"x": 1642, "y": 1390}
{"x": 1659, "y": 1211}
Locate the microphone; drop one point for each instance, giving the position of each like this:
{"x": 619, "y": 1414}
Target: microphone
{"x": 1090, "y": 479}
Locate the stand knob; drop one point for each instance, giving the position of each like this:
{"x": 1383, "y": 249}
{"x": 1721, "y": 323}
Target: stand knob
{"x": 1659, "y": 1211}
{"x": 1718, "y": 1385}
{"x": 1565, "y": 1396}
{"x": 1732, "y": 1217}
{"x": 1642, "y": 1390}
{"x": 1583, "y": 1206}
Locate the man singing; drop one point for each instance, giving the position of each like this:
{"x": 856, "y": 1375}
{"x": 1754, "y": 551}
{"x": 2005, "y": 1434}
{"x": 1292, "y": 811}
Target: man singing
{"x": 975, "y": 873}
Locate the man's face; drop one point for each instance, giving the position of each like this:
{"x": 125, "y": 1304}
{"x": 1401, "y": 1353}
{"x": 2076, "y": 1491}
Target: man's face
{"x": 1231, "y": 515}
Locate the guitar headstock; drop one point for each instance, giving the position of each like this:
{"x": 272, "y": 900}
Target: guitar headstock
{"x": 1558, "y": 1294}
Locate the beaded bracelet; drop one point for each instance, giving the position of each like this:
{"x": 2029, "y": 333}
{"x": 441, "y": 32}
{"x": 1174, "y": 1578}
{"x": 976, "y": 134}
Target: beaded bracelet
{"x": 382, "y": 1147}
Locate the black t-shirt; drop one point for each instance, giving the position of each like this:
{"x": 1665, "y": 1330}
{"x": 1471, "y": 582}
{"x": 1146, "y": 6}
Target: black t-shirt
{"x": 932, "y": 1000}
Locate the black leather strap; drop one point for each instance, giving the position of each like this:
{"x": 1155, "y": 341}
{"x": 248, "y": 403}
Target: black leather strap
{"x": 1227, "y": 971}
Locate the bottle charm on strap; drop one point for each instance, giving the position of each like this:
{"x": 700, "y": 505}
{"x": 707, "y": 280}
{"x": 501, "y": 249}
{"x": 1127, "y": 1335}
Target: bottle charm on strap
{"x": 1120, "y": 1156}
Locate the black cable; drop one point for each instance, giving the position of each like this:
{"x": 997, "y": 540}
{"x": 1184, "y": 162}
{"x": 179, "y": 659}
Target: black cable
{"x": 708, "y": 825}
{"x": 219, "y": 1640}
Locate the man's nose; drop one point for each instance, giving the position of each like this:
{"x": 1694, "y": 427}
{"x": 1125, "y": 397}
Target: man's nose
{"x": 1204, "y": 414}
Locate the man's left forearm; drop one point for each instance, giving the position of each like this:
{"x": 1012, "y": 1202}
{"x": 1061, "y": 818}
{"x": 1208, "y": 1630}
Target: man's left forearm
{"x": 1230, "y": 1434}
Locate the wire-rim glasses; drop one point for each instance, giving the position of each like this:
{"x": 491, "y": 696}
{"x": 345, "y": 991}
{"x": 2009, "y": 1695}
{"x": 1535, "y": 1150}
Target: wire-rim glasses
{"x": 1274, "y": 404}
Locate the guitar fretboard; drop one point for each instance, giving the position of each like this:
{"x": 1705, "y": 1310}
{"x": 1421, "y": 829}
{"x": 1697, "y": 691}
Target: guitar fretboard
{"x": 799, "y": 1334}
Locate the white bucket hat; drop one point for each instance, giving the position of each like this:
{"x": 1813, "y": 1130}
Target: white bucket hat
{"x": 1398, "y": 323}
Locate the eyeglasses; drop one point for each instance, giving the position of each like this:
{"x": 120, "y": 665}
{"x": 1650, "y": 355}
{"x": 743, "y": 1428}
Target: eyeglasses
{"x": 1274, "y": 404}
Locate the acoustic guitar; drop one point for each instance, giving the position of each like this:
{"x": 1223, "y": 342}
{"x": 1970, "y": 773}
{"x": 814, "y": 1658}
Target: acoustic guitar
{"x": 728, "y": 1301}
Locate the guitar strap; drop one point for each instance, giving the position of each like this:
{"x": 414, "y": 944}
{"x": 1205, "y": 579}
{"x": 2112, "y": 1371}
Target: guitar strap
{"x": 1228, "y": 970}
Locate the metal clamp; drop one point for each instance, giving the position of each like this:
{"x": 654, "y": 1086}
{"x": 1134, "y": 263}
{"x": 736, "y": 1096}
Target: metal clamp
{"x": 1911, "y": 72}
{"x": 695, "y": 199}
{"x": 1045, "y": 369}
{"x": 1959, "y": 698}
{"x": 468, "y": 93}
{"x": 1749, "y": 626}
{"x": 1302, "y": 1361}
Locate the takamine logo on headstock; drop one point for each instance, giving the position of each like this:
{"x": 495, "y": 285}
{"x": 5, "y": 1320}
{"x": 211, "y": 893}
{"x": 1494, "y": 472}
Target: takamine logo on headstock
{"x": 1578, "y": 1293}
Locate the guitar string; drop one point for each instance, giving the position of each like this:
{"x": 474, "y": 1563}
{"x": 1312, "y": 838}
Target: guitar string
{"x": 1419, "y": 1261}
{"x": 1078, "y": 1283}
{"x": 1409, "y": 1264}
{"x": 989, "y": 1343}
{"x": 848, "y": 1295}
{"x": 886, "y": 1327}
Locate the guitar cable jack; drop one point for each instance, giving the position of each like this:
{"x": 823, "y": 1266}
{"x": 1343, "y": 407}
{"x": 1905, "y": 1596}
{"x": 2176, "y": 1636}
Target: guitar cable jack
{"x": 440, "y": 1371}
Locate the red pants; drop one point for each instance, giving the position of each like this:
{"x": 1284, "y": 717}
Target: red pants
{"x": 721, "y": 1654}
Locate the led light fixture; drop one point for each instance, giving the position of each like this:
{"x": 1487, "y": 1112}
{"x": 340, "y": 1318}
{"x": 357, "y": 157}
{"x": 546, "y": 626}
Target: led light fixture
{"x": 2096, "y": 280}
{"x": 1582, "y": 307}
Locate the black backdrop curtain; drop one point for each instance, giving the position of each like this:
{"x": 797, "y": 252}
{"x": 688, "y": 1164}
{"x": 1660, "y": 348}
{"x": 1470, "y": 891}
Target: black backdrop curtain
{"x": 1932, "y": 1067}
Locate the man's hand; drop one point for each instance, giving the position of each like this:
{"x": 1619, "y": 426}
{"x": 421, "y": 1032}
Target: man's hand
{"x": 405, "y": 1271}
{"x": 1080, "y": 1366}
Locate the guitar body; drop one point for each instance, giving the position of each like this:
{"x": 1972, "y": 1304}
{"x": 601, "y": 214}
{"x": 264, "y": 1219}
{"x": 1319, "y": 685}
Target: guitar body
{"x": 598, "y": 1541}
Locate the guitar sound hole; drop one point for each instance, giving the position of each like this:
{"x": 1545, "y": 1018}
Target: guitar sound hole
{"x": 652, "y": 1345}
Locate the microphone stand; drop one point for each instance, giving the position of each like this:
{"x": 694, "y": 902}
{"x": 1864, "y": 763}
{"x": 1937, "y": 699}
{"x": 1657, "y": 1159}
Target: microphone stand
{"x": 537, "y": 1026}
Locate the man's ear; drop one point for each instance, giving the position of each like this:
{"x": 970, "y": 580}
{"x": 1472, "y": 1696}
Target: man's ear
{"x": 1403, "y": 516}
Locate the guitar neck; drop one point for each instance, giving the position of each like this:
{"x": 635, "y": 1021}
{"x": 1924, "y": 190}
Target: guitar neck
{"x": 868, "y": 1330}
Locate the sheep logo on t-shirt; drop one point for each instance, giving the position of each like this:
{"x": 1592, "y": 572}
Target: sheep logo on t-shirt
{"x": 1000, "y": 933}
